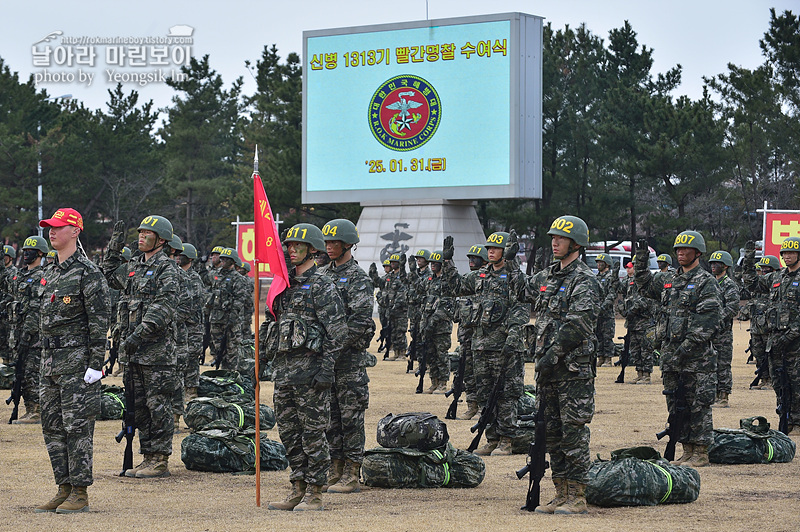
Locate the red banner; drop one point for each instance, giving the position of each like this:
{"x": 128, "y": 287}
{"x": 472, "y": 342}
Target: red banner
{"x": 777, "y": 227}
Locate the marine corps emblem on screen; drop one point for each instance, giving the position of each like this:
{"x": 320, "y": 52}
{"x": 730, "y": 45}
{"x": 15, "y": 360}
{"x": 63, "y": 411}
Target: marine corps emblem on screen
{"x": 404, "y": 112}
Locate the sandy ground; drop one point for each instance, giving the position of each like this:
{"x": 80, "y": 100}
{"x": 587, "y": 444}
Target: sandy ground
{"x": 732, "y": 498}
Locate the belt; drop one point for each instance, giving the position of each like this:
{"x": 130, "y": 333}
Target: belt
{"x": 59, "y": 342}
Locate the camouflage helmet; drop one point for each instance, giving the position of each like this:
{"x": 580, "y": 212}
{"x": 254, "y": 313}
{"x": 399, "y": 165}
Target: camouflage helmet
{"x": 436, "y": 256}
{"x": 176, "y": 243}
{"x": 340, "y": 229}
{"x": 423, "y": 254}
{"x": 308, "y": 233}
{"x": 604, "y": 258}
{"x": 159, "y": 225}
{"x": 791, "y": 244}
{"x": 721, "y": 256}
{"x": 387, "y": 262}
{"x": 394, "y": 257}
{"x": 571, "y": 227}
{"x": 51, "y": 254}
{"x": 690, "y": 239}
{"x": 246, "y": 266}
{"x": 10, "y": 251}
{"x": 189, "y": 251}
{"x": 664, "y": 258}
{"x": 478, "y": 250}
{"x": 230, "y": 253}
{"x": 770, "y": 261}
{"x": 126, "y": 253}
{"x": 497, "y": 239}
{"x": 36, "y": 242}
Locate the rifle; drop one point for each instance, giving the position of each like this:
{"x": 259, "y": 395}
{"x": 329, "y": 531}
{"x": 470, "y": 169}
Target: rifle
{"x": 222, "y": 351}
{"x": 16, "y": 389}
{"x": 761, "y": 371}
{"x": 206, "y": 340}
{"x": 489, "y": 412}
{"x": 624, "y": 358}
{"x": 678, "y": 416}
{"x": 423, "y": 364}
{"x": 784, "y": 408}
{"x": 411, "y": 353}
{"x": 128, "y": 421}
{"x": 113, "y": 354}
{"x": 458, "y": 384}
{"x": 536, "y": 464}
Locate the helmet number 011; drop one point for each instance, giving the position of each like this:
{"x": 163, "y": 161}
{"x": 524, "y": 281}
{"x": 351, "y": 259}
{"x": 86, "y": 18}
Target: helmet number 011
{"x": 562, "y": 225}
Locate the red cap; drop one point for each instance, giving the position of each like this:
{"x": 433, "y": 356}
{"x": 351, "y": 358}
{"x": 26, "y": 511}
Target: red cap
{"x": 64, "y": 217}
{"x": 629, "y": 265}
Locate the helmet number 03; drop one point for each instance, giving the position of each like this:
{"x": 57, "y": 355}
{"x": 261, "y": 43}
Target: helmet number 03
{"x": 295, "y": 231}
{"x": 683, "y": 238}
{"x": 562, "y": 225}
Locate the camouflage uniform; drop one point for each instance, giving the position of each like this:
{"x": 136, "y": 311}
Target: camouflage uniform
{"x": 310, "y": 331}
{"x": 194, "y": 324}
{"x": 722, "y": 340}
{"x": 567, "y": 312}
{"x": 499, "y": 314}
{"x": 637, "y": 310}
{"x": 183, "y": 314}
{"x": 150, "y": 288}
{"x": 394, "y": 293}
{"x": 24, "y": 318}
{"x": 466, "y": 329}
{"x": 416, "y": 302}
{"x": 350, "y": 391}
{"x": 691, "y": 308}
{"x": 74, "y": 323}
{"x": 783, "y": 324}
{"x": 436, "y": 324}
{"x": 759, "y": 304}
{"x": 224, "y": 305}
{"x": 609, "y": 288}
{"x": 6, "y": 298}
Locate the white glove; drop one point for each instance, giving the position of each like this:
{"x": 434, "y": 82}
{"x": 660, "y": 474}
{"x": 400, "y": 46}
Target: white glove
{"x": 92, "y": 375}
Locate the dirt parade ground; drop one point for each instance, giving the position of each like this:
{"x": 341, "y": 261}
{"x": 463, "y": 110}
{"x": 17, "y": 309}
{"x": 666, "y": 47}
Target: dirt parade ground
{"x": 732, "y": 498}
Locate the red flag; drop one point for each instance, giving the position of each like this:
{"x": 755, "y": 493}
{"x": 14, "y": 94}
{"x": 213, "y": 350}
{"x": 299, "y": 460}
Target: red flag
{"x": 268, "y": 243}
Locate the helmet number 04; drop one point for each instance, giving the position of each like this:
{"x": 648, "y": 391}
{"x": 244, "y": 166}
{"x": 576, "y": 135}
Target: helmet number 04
{"x": 329, "y": 230}
{"x": 562, "y": 225}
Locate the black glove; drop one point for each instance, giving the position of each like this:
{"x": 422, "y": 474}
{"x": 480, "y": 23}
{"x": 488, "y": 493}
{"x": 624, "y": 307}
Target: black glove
{"x": 779, "y": 343}
{"x": 750, "y": 252}
{"x": 117, "y": 241}
{"x": 403, "y": 260}
{"x": 546, "y": 363}
{"x": 323, "y": 380}
{"x": 447, "y": 248}
{"x": 512, "y": 246}
{"x": 131, "y": 344}
{"x": 373, "y": 270}
{"x": 642, "y": 257}
{"x": 412, "y": 265}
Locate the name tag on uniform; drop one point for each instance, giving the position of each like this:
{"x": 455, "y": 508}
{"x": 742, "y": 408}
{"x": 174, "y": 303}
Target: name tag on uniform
{"x": 343, "y": 280}
{"x": 689, "y": 286}
{"x": 29, "y": 280}
{"x": 503, "y": 276}
{"x": 561, "y": 289}
{"x": 305, "y": 286}
{"x": 149, "y": 272}
{"x": 795, "y": 283}
{"x": 668, "y": 285}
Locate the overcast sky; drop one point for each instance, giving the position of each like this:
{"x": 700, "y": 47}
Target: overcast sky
{"x": 702, "y": 35}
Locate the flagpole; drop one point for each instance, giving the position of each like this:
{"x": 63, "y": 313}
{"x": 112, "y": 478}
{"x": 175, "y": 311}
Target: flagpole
{"x": 257, "y": 381}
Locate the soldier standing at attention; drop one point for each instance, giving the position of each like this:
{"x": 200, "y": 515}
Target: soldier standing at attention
{"x": 24, "y": 317}
{"x": 196, "y": 288}
{"x": 721, "y": 262}
{"x": 394, "y": 297}
{"x": 500, "y": 312}
{"x": 310, "y": 331}
{"x": 609, "y": 286}
{"x": 7, "y": 274}
{"x": 74, "y": 323}
{"x": 418, "y": 273}
{"x": 224, "y": 305}
{"x": 637, "y": 309}
{"x": 783, "y": 320}
{"x": 691, "y": 309}
{"x": 149, "y": 283}
{"x": 759, "y": 333}
{"x": 436, "y": 321}
{"x": 567, "y": 311}
{"x": 350, "y": 390}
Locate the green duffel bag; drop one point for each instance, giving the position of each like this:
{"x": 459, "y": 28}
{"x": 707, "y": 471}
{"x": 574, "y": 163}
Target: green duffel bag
{"x": 203, "y": 410}
{"x": 216, "y": 383}
{"x": 752, "y": 443}
{"x": 638, "y": 476}
{"x": 112, "y": 402}
{"x": 412, "y": 468}
{"x": 526, "y": 406}
{"x": 223, "y": 448}
{"x": 413, "y": 430}
{"x": 6, "y": 377}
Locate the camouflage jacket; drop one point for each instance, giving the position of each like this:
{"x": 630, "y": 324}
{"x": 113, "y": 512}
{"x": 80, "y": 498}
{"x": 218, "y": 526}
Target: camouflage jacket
{"x": 438, "y": 303}
{"x": 567, "y": 307}
{"x": 74, "y": 317}
{"x": 148, "y": 307}
{"x": 757, "y": 309}
{"x": 396, "y": 292}
{"x": 197, "y": 295}
{"x": 690, "y": 304}
{"x": 356, "y": 290}
{"x": 248, "y": 305}
{"x": 729, "y": 298}
{"x": 783, "y": 313}
{"x": 416, "y": 293}
{"x": 227, "y": 297}
{"x": 24, "y": 311}
{"x": 609, "y": 288}
{"x": 634, "y": 307}
{"x": 310, "y": 331}
{"x": 7, "y": 274}
{"x": 500, "y": 307}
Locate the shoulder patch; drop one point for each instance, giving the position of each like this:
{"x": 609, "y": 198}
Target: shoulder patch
{"x": 689, "y": 286}
{"x": 543, "y": 288}
{"x": 43, "y": 281}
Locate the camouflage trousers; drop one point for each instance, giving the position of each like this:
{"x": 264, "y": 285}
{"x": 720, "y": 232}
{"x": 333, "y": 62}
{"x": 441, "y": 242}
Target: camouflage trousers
{"x": 230, "y": 358}
{"x": 303, "y": 416}
{"x": 436, "y": 358}
{"x": 5, "y": 350}
{"x": 470, "y": 389}
{"x": 641, "y": 352}
{"x": 182, "y": 352}
{"x": 791, "y": 362}
{"x": 605, "y": 331}
{"x": 758, "y": 348}
{"x": 701, "y": 391}
{"x": 399, "y": 325}
{"x": 349, "y": 400}
{"x": 487, "y": 366}
{"x": 69, "y": 409}
{"x": 191, "y": 374}
{"x": 30, "y": 376}
{"x": 154, "y": 388}
{"x": 723, "y": 345}
{"x": 569, "y": 408}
